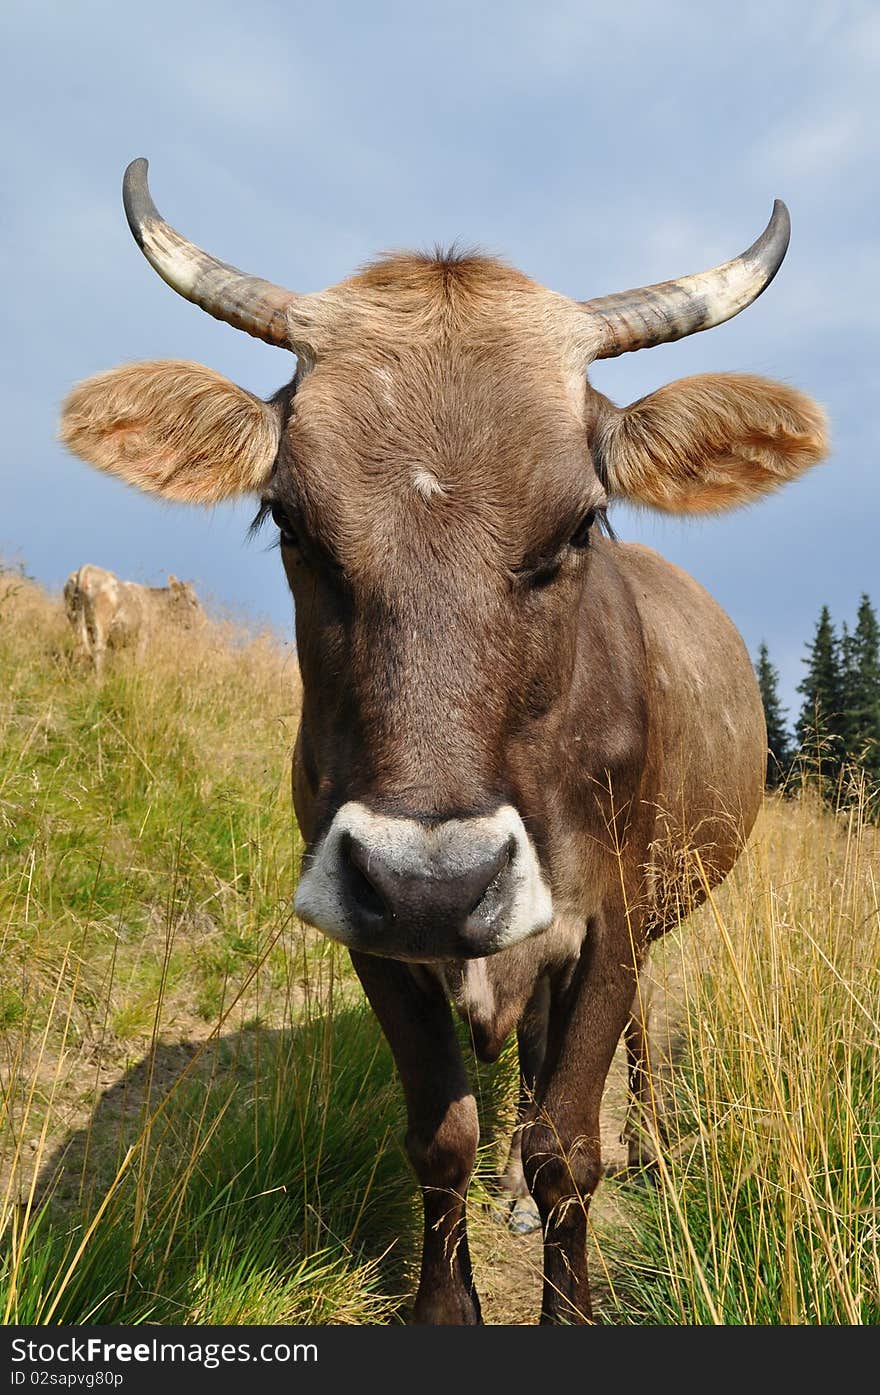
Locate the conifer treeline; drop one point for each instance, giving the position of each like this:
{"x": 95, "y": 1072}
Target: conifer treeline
{"x": 838, "y": 727}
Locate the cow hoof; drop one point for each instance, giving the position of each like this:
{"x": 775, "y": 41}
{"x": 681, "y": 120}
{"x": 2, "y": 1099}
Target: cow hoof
{"x": 455, "y": 1310}
{"x": 523, "y": 1217}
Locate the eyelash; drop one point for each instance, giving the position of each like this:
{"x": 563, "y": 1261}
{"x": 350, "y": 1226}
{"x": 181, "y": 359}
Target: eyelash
{"x": 580, "y": 538}
{"x": 544, "y": 573}
{"x": 305, "y": 550}
{"x": 282, "y": 523}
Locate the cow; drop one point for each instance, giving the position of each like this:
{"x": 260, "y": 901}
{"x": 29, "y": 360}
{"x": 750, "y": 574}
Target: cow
{"x": 526, "y": 747}
{"x": 106, "y": 613}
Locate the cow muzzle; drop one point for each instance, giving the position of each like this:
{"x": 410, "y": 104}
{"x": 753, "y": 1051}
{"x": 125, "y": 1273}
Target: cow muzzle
{"x": 456, "y": 889}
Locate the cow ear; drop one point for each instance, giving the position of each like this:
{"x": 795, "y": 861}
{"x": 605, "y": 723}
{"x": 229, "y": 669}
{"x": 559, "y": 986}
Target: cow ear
{"x": 175, "y": 429}
{"x": 708, "y": 443}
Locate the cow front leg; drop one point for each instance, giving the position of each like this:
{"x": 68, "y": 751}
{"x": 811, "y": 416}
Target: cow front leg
{"x": 561, "y": 1146}
{"x": 442, "y": 1133}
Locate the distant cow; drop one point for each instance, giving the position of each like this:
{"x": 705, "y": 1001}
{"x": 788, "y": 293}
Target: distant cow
{"x": 107, "y": 613}
{"x": 525, "y": 747}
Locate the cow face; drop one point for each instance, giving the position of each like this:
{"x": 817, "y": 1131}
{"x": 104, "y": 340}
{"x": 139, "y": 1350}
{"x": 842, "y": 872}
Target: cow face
{"x": 436, "y": 504}
{"x": 436, "y": 472}
{"x": 183, "y": 602}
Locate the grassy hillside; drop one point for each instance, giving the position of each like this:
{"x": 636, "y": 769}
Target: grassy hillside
{"x": 199, "y": 1119}
{"x": 171, "y": 1034}
{"x": 156, "y": 801}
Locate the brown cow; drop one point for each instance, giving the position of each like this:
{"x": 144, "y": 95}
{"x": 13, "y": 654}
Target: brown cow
{"x": 517, "y": 733}
{"x": 107, "y": 613}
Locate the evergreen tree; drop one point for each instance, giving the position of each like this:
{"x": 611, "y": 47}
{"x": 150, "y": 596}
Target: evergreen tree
{"x": 820, "y": 728}
{"x": 848, "y": 690}
{"x": 863, "y": 693}
{"x": 779, "y": 752}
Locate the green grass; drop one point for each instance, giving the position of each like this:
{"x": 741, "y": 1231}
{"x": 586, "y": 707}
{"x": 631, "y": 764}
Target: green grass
{"x": 98, "y": 781}
{"x": 179, "y": 764}
{"x": 264, "y": 1186}
{"x": 153, "y": 970}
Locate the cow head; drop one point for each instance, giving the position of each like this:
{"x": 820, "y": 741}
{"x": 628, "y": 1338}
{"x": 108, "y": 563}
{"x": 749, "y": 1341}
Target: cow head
{"x": 438, "y": 472}
{"x": 183, "y": 602}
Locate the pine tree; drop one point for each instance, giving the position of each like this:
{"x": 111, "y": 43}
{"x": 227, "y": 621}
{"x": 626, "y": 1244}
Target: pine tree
{"x": 863, "y": 693}
{"x": 820, "y": 728}
{"x": 779, "y": 752}
{"x": 849, "y": 680}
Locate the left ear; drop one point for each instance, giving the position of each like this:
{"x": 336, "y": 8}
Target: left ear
{"x": 172, "y": 428}
{"x": 709, "y": 442}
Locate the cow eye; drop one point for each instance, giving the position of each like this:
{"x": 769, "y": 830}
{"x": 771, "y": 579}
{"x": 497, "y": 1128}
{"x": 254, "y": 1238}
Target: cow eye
{"x": 581, "y": 536}
{"x": 283, "y": 524}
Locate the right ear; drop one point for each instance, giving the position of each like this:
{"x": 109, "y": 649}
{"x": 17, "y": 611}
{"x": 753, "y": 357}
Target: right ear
{"x": 175, "y": 429}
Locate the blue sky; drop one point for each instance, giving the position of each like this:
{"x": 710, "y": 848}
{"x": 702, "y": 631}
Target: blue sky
{"x": 596, "y": 146}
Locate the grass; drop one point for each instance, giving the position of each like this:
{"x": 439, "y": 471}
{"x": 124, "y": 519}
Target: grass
{"x": 200, "y": 1121}
{"x": 182, "y": 763}
{"x": 238, "y": 1191}
{"x": 766, "y": 1210}
{"x": 152, "y": 966}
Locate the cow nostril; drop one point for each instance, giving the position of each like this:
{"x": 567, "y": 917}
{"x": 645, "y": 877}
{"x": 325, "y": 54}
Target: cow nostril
{"x": 381, "y": 891}
{"x": 365, "y": 893}
{"x": 496, "y": 873}
{"x": 363, "y": 889}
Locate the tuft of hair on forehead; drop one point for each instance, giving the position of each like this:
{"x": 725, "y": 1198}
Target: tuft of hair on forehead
{"x": 452, "y": 275}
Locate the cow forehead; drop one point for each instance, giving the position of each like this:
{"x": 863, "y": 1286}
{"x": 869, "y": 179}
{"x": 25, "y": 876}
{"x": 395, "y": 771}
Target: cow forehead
{"x": 445, "y": 399}
{"x": 450, "y": 395}
{"x": 462, "y": 344}
{"x": 450, "y": 436}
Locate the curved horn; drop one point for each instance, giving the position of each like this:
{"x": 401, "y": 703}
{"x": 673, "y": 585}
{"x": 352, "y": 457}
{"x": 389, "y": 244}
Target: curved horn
{"x": 258, "y": 307}
{"x": 650, "y": 315}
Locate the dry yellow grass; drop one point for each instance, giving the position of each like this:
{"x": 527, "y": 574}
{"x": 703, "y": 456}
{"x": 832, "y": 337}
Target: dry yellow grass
{"x": 766, "y": 1017}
